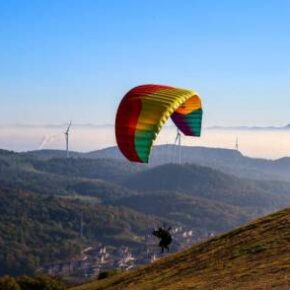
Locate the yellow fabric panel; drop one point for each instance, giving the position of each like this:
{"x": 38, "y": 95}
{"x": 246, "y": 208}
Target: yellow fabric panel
{"x": 158, "y": 107}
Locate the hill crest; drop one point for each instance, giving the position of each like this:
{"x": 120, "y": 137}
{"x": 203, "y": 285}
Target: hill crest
{"x": 251, "y": 257}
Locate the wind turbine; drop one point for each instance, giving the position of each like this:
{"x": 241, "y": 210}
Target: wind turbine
{"x": 237, "y": 144}
{"x": 177, "y": 142}
{"x": 82, "y": 226}
{"x": 66, "y": 134}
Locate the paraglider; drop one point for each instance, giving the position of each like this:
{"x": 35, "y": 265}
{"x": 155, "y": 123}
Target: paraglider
{"x": 145, "y": 109}
{"x": 165, "y": 237}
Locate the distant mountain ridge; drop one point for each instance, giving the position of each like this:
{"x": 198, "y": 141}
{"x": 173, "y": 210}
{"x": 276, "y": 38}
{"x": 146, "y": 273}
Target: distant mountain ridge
{"x": 249, "y": 128}
{"x": 207, "y": 183}
{"x": 225, "y": 160}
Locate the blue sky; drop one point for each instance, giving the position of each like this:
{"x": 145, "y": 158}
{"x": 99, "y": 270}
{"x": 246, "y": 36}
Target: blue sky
{"x": 72, "y": 59}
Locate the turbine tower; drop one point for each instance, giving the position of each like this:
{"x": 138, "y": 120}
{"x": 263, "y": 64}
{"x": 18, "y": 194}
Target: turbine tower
{"x": 177, "y": 142}
{"x": 66, "y": 134}
{"x": 82, "y": 226}
{"x": 237, "y": 144}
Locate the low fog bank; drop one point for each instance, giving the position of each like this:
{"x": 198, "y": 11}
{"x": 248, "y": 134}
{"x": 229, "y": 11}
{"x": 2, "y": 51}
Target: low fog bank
{"x": 270, "y": 144}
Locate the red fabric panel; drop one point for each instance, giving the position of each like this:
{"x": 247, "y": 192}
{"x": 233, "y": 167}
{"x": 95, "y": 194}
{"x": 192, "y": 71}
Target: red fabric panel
{"x": 127, "y": 119}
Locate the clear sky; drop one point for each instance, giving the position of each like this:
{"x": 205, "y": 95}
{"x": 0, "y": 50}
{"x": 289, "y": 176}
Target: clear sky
{"x": 73, "y": 59}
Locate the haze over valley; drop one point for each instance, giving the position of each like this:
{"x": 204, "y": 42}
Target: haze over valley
{"x": 263, "y": 142}
{"x": 144, "y": 145}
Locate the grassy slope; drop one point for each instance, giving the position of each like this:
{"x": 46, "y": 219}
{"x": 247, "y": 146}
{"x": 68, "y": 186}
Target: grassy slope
{"x": 256, "y": 256}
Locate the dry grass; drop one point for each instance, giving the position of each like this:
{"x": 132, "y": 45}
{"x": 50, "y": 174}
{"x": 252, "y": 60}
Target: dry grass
{"x": 256, "y": 256}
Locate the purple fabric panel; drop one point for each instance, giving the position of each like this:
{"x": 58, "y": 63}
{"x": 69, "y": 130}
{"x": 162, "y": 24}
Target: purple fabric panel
{"x": 180, "y": 121}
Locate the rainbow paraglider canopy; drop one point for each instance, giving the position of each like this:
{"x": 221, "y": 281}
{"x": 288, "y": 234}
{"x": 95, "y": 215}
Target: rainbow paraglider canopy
{"x": 144, "y": 110}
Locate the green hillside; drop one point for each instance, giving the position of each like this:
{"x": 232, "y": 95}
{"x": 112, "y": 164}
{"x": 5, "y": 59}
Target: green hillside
{"x": 255, "y": 256}
{"x": 37, "y": 229}
{"x": 212, "y": 184}
{"x": 42, "y": 201}
{"x": 195, "y": 212}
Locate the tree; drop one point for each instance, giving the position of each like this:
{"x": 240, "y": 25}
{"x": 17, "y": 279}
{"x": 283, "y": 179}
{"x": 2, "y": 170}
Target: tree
{"x": 8, "y": 283}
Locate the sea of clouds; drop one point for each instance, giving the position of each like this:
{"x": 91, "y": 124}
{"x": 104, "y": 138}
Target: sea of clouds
{"x": 272, "y": 143}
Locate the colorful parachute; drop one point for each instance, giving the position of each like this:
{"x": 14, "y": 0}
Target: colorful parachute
{"x": 144, "y": 110}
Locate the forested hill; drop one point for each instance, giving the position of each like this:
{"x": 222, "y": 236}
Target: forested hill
{"x": 211, "y": 184}
{"x": 43, "y": 202}
{"x": 226, "y": 160}
{"x": 38, "y": 229}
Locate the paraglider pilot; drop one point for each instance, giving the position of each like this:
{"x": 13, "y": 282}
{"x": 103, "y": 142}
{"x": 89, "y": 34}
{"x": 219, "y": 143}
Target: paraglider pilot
{"x": 164, "y": 236}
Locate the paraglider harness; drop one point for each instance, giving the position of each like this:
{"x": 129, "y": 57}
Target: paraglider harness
{"x": 164, "y": 236}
